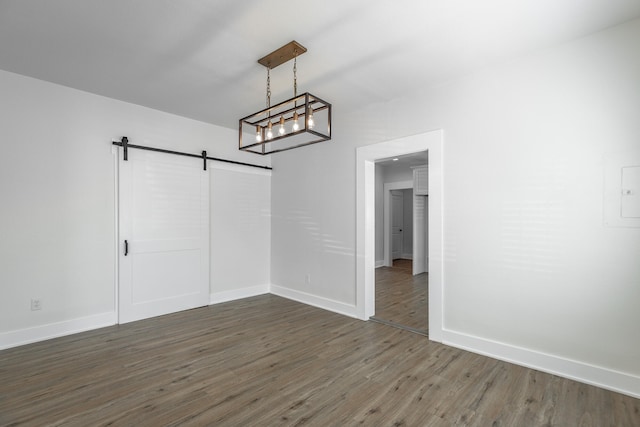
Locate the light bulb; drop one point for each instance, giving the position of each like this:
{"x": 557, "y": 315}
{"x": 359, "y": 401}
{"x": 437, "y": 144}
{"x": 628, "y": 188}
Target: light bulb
{"x": 296, "y": 125}
{"x": 258, "y": 134}
{"x": 310, "y": 122}
{"x": 269, "y": 132}
{"x": 281, "y": 131}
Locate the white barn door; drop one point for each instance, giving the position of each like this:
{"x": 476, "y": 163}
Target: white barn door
{"x": 164, "y": 235}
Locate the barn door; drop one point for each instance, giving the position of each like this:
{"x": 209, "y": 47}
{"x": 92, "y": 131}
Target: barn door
{"x": 164, "y": 235}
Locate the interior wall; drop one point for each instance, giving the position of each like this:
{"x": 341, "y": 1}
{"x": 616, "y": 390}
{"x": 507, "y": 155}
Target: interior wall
{"x": 312, "y": 227}
{"x": 240, "y": 231}
{"x": 393, "y": 173}
{"x": 529, "y": 263}
{"x": 57, "y": 186}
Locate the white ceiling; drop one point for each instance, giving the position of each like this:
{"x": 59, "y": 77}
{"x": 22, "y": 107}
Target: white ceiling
{"x": 405, "y": 162}
{"x": 198, "y": 58}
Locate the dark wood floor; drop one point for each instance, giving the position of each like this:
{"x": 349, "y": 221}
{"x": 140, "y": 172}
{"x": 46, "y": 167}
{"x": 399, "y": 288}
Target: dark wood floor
{"x": 269, "y": 361}
{"x": 401, "y": 297}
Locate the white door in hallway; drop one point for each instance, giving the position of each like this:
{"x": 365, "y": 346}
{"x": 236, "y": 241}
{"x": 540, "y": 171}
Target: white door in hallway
{"x": 397, "y": 218}
{"x": 163, "y": 235}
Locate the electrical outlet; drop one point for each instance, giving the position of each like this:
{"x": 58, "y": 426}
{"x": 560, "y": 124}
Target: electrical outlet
{"x": 36, "y": 304}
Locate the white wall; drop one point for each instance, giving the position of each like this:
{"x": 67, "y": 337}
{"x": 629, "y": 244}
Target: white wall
{"x": 312, "y": 226}
{"x": 397, "y": 173}
{"x": 57, "y": 190}
{"x": 529, "y": 264}
{"x": 240, "y": 231}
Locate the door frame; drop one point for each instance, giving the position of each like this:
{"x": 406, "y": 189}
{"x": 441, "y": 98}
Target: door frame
{"x": 388, "y": 186}
{"x": 365, "y": 222}
{"x": 420, "y": 243}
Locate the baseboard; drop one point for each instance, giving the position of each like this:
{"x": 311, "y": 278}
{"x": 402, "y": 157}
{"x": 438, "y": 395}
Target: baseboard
{"x": 225, "y": 296}
{"x": 594, "y": 375}
{"x": 379, "y": 263}
{"x": 406, "y": 256}
{"x": 316, "y": 301}
{"x": 57, "y": 329}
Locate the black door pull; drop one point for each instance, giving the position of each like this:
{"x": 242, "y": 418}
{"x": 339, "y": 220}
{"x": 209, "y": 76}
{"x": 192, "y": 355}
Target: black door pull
{"x": 126, "y": 248}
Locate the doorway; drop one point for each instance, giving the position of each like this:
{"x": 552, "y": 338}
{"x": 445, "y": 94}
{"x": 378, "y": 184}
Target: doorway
{"x": 365, "y": 214}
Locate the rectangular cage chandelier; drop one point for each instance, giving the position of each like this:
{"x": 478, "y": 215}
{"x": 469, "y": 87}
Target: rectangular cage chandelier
{"x": 302, "y": 120}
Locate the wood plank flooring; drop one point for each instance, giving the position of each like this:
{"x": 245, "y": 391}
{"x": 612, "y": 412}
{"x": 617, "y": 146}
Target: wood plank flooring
{"x": 268, "y": 361}
{"x": 401, "y": 297}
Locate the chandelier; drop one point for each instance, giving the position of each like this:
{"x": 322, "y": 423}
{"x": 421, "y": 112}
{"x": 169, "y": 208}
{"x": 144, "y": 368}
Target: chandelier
{"x": 302, "y": 120}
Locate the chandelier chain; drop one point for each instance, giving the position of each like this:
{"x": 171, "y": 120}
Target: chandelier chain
{"x": 295, "y": 74}
{"x": 268, "y": 87}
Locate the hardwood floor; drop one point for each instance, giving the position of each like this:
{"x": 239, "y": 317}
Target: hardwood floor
{"x": 401, "y": 297}
{"x": 270, "y": 361}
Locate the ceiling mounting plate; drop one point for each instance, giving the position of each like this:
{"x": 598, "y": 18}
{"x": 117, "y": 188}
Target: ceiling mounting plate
{"x": 282, "y": 55}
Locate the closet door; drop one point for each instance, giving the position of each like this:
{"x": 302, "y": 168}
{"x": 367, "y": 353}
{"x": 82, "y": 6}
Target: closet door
{"x": 164, "y": 235}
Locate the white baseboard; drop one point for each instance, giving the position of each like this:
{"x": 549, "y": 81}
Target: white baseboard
{"x": 218, "y": 297}
{"x": 57, "y": 329}
{"x": 598, "y": 376}
{"x": 406, "y": 256}
{"x": 379, "y": 263}
{"x": 316, "y": 301}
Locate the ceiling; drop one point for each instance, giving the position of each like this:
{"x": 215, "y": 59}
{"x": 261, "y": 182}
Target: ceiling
{"x": 405, "y": 162}
{"x": 198, "y": 59}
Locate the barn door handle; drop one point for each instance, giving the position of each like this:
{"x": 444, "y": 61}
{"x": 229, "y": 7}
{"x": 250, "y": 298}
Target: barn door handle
{"x": 126, "y": 248}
